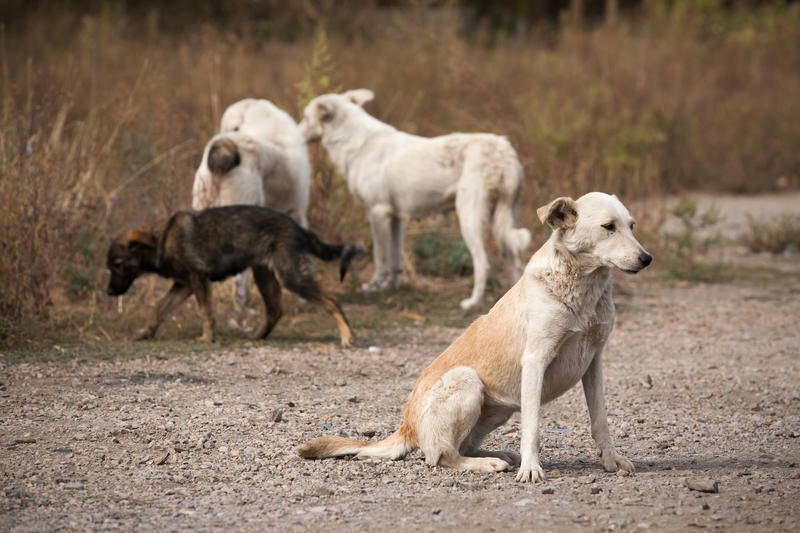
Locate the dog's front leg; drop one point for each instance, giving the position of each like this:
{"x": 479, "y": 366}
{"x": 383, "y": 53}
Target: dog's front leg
{"x": 177, "y": 295}
{"x": 534, "y": 363}
{"x": 380, "y": 224}
{"x": 396, "y": 251}
{"x": 594, "y": 390}
{"x": 201, "y": 287}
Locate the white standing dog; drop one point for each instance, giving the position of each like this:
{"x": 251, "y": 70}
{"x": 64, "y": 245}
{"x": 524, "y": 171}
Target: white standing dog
{"x": 398, "y": 175}
{"x": 547, "y": 333}
{"x": 259, "y": 158}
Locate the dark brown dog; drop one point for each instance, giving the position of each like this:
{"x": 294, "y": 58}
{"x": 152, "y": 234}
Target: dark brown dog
{"x": 196, "y": 248}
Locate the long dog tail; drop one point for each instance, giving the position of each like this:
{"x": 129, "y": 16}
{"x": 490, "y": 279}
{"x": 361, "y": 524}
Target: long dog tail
{"x": 223, "y": 156}
{"x": 328, "y": 252}
{"x": 514, "y": 240}
{"x": 393, "y": 447}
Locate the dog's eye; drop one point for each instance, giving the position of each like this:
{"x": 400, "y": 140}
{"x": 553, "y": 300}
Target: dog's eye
{"x": 610, "y": 226}
{"x": 632, "y": 225}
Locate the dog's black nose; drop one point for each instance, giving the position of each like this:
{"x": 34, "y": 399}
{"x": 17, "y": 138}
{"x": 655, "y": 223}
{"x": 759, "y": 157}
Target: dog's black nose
{"x": 645, "y": 259}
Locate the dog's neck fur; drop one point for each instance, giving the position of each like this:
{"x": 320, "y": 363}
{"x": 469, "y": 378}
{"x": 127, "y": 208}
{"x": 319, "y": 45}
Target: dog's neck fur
{"x": 343, "y": 147}
{"x": 577, "y": 284}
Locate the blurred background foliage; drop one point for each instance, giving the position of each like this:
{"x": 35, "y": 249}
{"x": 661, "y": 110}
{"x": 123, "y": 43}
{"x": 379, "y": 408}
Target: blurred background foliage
{"x": 106, "y": 107}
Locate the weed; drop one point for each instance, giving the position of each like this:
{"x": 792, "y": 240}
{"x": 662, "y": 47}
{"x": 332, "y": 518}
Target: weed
{"x": 779, "y": 235}
{"x": 686, "y": 251}
{"x": 91, "y": 145}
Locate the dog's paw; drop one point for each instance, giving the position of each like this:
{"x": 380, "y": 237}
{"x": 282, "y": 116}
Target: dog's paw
{"x": 510, "y": 457}
{"x": 530, "y": 474}
{"x": 492, "y": 464}
{"x": 469, "y": 303}
{"x": 208, "y": 339}
{"x": 375, "y": 286}
{"x": 612, "y": 461}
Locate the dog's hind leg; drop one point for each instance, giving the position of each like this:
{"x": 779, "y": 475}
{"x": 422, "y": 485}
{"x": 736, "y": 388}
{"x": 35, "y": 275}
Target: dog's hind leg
{"x": 177, "y": 294}
{"x": 491, "y": 418}
{"x": 300, "y": 280}
{"x": 270, "y": 290}
{"x": 471, "y": 208}
{"x": 201, "y": 287}
{"x": 451, "y": 411}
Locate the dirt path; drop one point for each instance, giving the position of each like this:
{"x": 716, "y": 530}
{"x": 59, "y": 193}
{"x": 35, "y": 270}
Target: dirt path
{"x": 703, "y": 382}
{"x": 81, "y": 443}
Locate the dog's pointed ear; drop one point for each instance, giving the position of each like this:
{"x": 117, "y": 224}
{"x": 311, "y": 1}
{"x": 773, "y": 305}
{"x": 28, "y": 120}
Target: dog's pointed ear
{"x": 360, "y": 96}
{"x": 324, "y": 111}
{"x": 138, "y": 239}
{"x": 560, "y": 213}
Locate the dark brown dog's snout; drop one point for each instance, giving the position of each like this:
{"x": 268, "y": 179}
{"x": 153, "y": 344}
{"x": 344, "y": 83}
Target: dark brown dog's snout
{"x": 645, "y": 259}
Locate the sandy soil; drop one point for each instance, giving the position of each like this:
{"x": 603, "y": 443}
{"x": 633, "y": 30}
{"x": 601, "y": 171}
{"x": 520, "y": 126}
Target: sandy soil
{"x": 703, "y": 383}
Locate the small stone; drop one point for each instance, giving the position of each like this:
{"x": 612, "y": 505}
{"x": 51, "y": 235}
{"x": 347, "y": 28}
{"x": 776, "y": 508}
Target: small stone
{"x": 623, "y": 473}
{"x": 524, "y": 501}
{"x": 548, "y": 490}
{"x": 277, "y": 415}
{"x": 587, "y": 479}
{"x": 647, "y": 381}
{"x": 703, "y": 485}
{"x": 74, "y": 485}
{"x": 595, "y": 490}
{"x": 374, "y": 350}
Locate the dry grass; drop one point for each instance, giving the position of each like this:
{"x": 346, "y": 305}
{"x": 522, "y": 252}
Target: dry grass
{"x": 105, "y": 117}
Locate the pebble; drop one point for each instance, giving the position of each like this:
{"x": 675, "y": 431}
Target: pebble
{"x": 548, "y": 490}
{"x": 374, "y": 350}
{"x": 703, "y": 485}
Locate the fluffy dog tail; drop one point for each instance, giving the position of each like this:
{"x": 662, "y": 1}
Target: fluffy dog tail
{"x": 328, "y": 252}
{"x": 513, "y": 240}
{"x": 395, "y": 446}
{"x": 223, "y": 156}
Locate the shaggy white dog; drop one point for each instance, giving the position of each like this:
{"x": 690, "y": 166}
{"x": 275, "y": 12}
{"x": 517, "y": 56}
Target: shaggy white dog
{"x": 259, "y": 158}
{"x": 398, "y": 175}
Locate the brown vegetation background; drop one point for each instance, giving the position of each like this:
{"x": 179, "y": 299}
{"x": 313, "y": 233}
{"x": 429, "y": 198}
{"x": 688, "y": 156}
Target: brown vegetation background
{"x": 105, "y": 110}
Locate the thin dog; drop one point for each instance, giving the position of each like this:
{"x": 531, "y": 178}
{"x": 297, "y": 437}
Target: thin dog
{"x": 398, "y": 175}
{"x": 543, "y": 336}
{"x": 197, "y": 248}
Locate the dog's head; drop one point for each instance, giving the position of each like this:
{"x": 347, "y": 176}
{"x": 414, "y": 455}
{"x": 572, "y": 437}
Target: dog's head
{"x": 124, "y": 259}
{"x": 326, "y": 111}
{"x": 597, "y": 229}
{"x": 257, "y": 117}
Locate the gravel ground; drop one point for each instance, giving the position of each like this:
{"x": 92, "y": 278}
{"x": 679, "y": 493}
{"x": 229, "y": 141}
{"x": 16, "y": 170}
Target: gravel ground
{"x": 702, "y": 385}
{"x": 703, "y": 391}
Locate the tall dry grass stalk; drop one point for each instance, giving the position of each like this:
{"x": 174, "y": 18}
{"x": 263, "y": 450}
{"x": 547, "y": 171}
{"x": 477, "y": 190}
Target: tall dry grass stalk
{"x": 104, "y": 116}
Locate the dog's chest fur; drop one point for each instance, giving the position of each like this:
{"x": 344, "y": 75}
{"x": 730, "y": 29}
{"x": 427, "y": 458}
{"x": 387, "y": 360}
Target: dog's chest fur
{"x": 587, "y": 322}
